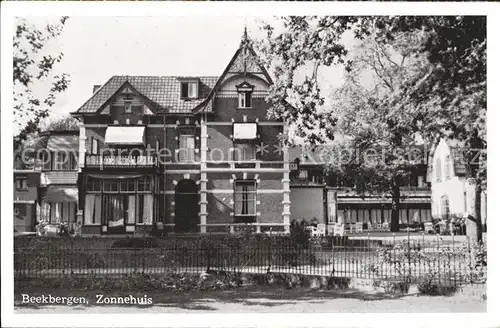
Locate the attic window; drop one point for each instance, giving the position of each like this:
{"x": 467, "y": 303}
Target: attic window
{"x": 189, "y": 90}
{"x": 128, "y": 106}
{"x": 245, "y": 90}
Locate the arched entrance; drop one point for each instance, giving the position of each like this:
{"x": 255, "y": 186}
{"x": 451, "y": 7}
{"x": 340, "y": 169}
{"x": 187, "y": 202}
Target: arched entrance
{"x": 186, "y": 206}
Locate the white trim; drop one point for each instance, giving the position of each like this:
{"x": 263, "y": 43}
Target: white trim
{"x": 263, "y": 224}
{"x": 260, "y": 123}
{"x": 183, "y": 171}
{"x": 27, "y": 171}
{"x": 230, "y": 191}
{"x": 24, "y": 202}
{"x": 261, "y": 170}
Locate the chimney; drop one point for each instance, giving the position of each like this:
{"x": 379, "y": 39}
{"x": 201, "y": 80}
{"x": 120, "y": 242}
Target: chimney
{"x": 96, "y": 87}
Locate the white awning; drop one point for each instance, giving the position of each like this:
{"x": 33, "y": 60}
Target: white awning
{"x": 62, "y": 194}
{"x": 125, "y": 135}
{"x": 245, "y": 131}
{"x": 63, "y": 143}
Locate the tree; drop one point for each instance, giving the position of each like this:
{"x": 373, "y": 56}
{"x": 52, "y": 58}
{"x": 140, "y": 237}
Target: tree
{"x": 301, "y": 46}
{"x": 33, "y": 65}
{"x": 446, "y": 100}
{"x": 451, "y": 95}
{"x": 64, "y": 123}
{"x": 385, "y": 144}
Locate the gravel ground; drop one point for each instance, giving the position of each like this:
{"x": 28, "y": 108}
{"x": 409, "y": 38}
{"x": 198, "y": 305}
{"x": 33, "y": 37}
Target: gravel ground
{"x": 276, "y": 300}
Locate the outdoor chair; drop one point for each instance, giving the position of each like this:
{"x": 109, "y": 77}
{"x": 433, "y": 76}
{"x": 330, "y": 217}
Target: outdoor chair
{"x": 338, "y": 229}
{"x": 369, "y": 226}
{"x": 428, "y": 227}
{"x": 359, "y": 227}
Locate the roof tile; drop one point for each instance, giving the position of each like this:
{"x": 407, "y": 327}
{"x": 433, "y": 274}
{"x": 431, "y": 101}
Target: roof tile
{"x": 162, "y": 90}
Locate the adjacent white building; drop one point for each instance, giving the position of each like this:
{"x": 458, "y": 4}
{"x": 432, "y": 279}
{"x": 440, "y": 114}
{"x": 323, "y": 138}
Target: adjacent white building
{"x": 452, "y": 193}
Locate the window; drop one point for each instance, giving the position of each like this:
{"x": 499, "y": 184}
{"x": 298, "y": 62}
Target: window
{"x": 110, "y": 185}
{"x": 46, "y": 160}
{"x": 465, "y": 201}
{"x": 93, "y": 185}
{"x": 95, "y": 146}
{"x": 438, "y": 170}
{"x": 245, "y": 200}
{"x": 303, "y": 174}
{"x": 128, "y": 106}
{"x": 421, "y": 181}
{"x": 127, "y": 186}
{"x": 21, "y": 183}
{"x": 245, "y": 99}
{"x": 63, "y": 161}
{"x": 140, "y": 209}
{"x": 244, "y": 152}
{"x": 144, "y": 184}
{"x": 447, "y": 168}
{"x": 186, "y": 148}
{"x": 445, "y": 207}
{"x": 189, "y": 90}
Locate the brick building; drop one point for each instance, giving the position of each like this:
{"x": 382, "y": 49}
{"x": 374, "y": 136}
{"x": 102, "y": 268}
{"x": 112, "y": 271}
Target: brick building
{"x": 196, "y": 154}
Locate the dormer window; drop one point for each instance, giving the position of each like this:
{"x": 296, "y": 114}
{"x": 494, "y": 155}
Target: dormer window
{"x": 189, "y": 89}
{"x": 245, "y": 90}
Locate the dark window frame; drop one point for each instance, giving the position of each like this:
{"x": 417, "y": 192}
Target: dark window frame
{"x": 250, "y": 215}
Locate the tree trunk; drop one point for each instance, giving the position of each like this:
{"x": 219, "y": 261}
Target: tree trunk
{"x": 396, "y": 195}
{"x": 477, "y": 210}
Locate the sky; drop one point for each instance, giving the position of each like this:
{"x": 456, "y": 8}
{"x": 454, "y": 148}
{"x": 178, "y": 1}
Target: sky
{"x": 96, "y": 48}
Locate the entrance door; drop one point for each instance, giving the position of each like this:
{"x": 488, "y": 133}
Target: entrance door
{"x": 186, "y": 206}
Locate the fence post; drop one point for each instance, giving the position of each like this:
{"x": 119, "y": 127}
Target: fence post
{"x": 409, "y": 256}
{"x": 470, "y": 258}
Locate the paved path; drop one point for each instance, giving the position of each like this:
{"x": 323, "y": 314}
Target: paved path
{"x": 347, "y": 303}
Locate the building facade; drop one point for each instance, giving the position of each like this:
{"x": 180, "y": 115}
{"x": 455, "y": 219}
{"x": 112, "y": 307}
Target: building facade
{"x": 26, "y": 201}
{"x": 188, "y": 154}
{"x": 452, "y": 193}
{"x": 58, "y": 190}
{"x": 45, "y": 181}
{"x": 329, "y": 199}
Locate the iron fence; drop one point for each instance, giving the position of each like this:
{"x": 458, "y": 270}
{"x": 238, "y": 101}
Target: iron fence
{"x": 446, "y": 261}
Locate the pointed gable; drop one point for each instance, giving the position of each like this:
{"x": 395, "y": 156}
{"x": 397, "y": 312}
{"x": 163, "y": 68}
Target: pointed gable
{"x": 244, "y": 62}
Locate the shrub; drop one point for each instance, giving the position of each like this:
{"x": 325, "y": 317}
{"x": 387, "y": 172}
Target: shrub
{"x": 413, "y": 262}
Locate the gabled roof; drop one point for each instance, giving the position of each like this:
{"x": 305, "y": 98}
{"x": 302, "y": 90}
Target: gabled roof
{"x": 245, "y": 61}
{"x": 163, "y": 91}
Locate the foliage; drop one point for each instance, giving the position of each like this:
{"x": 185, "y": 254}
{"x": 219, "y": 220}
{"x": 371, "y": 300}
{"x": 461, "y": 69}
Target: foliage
{"x": 64, "y": 123}
{"x": 303, "y": 45}
{"x": 33, "y": 65}
{"x": 437, "y": 263}
{"x": 434, "y": 87}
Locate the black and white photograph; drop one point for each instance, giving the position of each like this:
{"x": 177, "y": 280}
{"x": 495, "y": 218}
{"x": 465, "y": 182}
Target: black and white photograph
{"x": 252, "y": 163}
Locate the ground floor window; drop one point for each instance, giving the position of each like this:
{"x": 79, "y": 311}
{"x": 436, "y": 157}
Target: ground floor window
{"x": 445, "y": 207}
{"x": 245, "y": 201}
{"x": 410, "y": 215}
{"x": 117, "y": 210}
{"x": 57, "y": 212}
